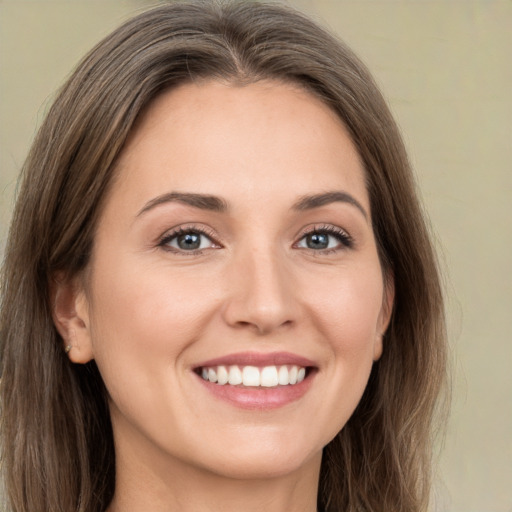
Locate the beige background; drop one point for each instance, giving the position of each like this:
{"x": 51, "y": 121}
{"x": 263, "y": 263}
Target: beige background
{"x": 446, "y": 69}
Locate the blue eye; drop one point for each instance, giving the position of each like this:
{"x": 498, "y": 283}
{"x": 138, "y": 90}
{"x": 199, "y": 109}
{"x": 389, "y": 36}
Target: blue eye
{"x": 328, "y": 238}
{"x": 187, "y": 240}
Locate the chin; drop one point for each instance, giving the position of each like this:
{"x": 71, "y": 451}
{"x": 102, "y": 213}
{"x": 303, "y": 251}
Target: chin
{"x": 266, "y": 466}
{"x": 271, "y": 458}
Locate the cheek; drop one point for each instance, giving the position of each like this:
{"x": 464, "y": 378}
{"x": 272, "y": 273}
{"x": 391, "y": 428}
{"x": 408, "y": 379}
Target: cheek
{"x": 348, "y": 318}
{"x": 145, "y": 318}
{"x": 142, "y": 324}
{"x": 348, "y": 311}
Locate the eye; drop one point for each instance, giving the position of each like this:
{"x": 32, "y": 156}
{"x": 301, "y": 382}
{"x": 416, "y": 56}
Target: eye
{"x": 325, "y": 238}
{"x": 187, "y": 240}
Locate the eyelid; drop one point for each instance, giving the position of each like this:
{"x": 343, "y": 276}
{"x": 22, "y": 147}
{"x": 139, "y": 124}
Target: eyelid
{"x": 182, "y": 229}
{"x": 346, "y": 241}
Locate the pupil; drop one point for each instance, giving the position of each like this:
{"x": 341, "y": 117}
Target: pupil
{"x": 189, "y": 241}
{"x": 318, "y": 241}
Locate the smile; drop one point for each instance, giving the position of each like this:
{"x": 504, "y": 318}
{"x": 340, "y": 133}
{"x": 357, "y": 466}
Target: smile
{"x": 252, "y": 380}
{"x": 253, "y": 376}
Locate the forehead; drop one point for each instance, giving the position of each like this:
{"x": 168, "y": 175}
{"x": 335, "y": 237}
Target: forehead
{"x": 251, "y": 141}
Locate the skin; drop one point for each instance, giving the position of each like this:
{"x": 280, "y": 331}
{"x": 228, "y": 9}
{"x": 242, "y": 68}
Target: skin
{"x": 150, "y": 313}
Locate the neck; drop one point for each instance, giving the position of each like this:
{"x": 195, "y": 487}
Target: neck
{"x": 227, "y": 496}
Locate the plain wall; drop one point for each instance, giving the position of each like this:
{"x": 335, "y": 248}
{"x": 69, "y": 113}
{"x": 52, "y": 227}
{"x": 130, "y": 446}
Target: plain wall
{"x": 446, "y": 68}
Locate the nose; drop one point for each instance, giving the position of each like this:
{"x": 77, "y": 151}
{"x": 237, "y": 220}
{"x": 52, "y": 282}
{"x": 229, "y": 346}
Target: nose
{"x": 261, "y": 294}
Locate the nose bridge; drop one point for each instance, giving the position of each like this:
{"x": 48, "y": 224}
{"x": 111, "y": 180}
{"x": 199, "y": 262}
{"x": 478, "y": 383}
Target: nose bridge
{"x": 261, "y": 290}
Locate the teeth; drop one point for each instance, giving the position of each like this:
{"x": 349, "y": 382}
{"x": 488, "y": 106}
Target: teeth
{"x": 235, "y": 376}
{"x": 212, "y": 375}
{"x": 269, "y": 377}
{"x": 292, "y": 375}
{"x": 222, "y": 375}
{"x": 252, "y": 376}
{"x": 282, "y": 376}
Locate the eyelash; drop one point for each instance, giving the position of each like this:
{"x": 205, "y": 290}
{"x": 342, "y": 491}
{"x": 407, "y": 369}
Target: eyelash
{"x": 345, "y": 240}
{"x": 185, "y": 230}
{"x": 341, "y": 236}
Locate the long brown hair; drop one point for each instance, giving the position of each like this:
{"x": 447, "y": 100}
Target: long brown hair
{"x": 57, "y": 445}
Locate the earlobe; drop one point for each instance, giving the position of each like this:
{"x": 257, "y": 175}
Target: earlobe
{"x": 385, "y": 316}
{"x": 377, "y": 347}
{"x": 71, "y": 318}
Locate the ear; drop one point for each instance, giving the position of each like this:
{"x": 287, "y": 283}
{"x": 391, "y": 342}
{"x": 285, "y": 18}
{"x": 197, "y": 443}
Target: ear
{"x": 71, "y": 317}
{"x": 385, "y": 315}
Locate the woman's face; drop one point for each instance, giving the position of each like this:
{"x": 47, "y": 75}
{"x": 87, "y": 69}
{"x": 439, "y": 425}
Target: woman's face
{"x": 236, "y": 244}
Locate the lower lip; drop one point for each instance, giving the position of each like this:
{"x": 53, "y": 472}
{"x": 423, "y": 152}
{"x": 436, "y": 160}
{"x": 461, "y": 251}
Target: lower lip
{"x": 261, "y": 398}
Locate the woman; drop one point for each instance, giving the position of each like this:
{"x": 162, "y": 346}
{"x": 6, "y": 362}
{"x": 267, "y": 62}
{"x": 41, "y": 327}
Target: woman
{"x": 219, "y": 292}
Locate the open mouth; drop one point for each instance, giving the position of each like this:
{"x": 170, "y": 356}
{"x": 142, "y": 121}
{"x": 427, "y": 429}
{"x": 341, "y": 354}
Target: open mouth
{"x": 254, "y": 376}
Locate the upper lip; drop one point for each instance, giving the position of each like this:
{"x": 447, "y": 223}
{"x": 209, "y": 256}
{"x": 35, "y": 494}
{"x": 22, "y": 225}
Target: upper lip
{"x": 258, "y": 359}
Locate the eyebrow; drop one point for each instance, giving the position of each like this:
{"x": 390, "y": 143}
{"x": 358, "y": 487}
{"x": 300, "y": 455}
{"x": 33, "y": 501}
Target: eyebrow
{"x": 317, "y": 200}
{"x": 201, "y": 201}
{"x": 217, "y": 204}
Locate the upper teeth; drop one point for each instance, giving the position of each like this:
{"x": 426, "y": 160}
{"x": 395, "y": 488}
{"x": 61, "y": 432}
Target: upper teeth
{"x": 268, "y": 376}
